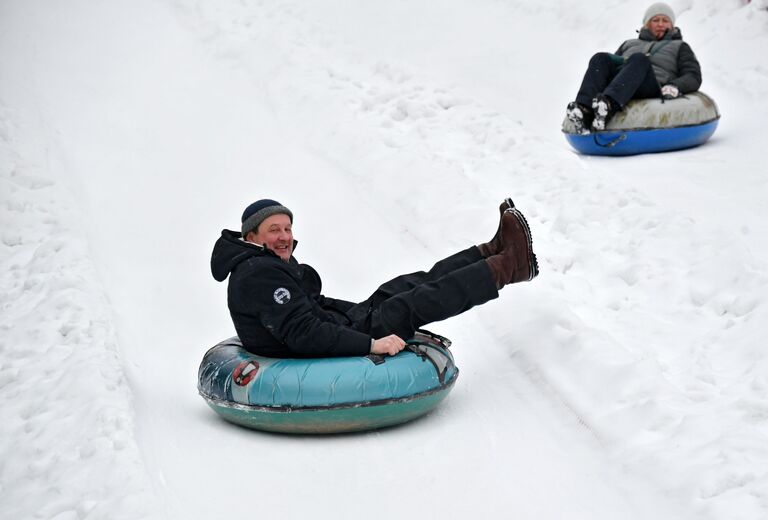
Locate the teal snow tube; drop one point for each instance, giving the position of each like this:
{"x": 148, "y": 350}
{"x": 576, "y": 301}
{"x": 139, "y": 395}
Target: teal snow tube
{"x": 650, "y": 126}
{"x": 326, "y": 395}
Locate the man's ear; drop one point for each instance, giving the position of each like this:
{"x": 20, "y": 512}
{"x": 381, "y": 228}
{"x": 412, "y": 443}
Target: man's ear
{"x": 250, "y": 237}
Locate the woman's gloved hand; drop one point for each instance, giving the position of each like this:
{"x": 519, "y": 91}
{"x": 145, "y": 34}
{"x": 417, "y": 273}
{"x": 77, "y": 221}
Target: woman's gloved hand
{"x": 669, "y": 92}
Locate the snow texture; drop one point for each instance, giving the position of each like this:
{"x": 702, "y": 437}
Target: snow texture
{"x": 629, "y": 380}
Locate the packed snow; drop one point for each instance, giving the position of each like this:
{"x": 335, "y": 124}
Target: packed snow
{"x": 629, "y": 380}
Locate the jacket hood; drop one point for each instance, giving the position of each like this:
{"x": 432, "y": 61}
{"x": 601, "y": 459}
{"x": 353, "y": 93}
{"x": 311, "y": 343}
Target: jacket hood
{"x": 647, "y": 35}
{"x": 230, "y": 250}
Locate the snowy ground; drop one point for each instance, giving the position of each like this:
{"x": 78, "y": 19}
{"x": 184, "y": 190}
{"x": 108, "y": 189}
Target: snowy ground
{"x": 629, "y": 380}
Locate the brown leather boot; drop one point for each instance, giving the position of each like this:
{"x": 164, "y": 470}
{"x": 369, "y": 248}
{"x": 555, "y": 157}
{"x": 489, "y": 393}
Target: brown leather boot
{"x": 495, "y": 245}
{"x": 516, "y": 262}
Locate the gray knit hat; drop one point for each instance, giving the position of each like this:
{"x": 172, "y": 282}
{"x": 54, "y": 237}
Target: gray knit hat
{"x": 659, "y": 8}
{"x": 260, "y": 210}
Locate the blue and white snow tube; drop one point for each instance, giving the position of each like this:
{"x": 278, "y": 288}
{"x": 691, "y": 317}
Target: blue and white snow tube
{"x": 326, "y": 395}
{"x": 651, "y": 125}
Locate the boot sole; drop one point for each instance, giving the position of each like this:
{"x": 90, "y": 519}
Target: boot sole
{"x": 533, "y": 262}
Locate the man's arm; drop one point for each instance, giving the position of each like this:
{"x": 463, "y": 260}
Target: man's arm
{"x": 296, "y": 320}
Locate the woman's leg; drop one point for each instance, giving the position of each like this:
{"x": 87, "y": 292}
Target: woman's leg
{"x": 599, "y": 74}
{"x": 635, "y": 79}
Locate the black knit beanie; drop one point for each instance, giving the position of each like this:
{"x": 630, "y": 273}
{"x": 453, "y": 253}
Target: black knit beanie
{"x": 260, "y": 210}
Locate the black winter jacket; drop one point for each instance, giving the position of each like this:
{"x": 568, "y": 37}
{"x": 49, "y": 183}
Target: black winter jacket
{"x": 277, "y": 307}
{"x": 672, "y": 59}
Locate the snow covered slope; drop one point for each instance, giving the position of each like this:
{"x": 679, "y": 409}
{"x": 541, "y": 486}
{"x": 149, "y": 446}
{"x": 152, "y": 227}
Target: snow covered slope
{"x": 628, "y": 381}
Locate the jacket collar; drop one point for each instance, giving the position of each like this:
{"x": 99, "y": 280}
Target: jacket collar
{"x": 230, "y": 250}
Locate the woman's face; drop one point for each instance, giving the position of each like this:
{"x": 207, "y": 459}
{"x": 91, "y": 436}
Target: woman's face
{"x": 658, "y": 25}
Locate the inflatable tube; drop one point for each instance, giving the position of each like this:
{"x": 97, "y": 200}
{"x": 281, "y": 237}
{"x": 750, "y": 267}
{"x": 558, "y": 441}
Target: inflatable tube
{"x": 651, "y": 125}
{"x": 326, "y": 395}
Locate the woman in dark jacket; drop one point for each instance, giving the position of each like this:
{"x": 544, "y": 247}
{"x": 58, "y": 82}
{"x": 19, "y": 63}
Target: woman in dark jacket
{"x": 656, "y": 64}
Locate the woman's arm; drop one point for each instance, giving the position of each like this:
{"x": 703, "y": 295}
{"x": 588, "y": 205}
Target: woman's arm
{"x": 689, "y": 71}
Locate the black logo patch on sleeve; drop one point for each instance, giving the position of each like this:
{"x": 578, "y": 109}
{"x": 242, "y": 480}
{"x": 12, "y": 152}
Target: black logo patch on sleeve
{"x": 282, "y": 295}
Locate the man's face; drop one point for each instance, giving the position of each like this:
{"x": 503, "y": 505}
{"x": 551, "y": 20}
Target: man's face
{"x": 658, "y": 24}
{"x": 275, "y": 234}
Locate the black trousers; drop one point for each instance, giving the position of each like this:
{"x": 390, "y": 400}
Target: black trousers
{"x": 634, "y": 79}
{"x": 410, "y": 301}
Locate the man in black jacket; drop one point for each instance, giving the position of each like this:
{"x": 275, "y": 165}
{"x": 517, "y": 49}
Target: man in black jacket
{"x": 278, "y": 309}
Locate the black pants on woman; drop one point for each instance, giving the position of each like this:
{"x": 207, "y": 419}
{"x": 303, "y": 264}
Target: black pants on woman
{"x": 632, "y": 79}
{"x": 410, "y": 301}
